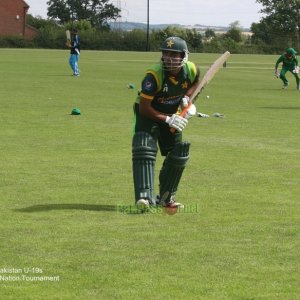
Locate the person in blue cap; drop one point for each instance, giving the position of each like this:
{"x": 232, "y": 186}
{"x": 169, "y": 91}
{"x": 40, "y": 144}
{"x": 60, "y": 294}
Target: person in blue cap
{"x": 289, "y": 63}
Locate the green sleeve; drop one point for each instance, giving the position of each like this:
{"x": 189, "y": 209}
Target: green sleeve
{"x": 279, "y": 60}
{"x": 296, "y": 61}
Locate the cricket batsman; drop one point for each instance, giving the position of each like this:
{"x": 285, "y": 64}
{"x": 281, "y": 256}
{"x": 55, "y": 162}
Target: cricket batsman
{"x": 289, "y": 63}
{"x": 165, "y": 90}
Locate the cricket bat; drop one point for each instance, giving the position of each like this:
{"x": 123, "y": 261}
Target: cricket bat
{"x": 208, "y": 76}
{"x": 68, "y": 35}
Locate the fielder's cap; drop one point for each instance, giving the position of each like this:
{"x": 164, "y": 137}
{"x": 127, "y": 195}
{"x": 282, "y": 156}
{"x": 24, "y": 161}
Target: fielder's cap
{"x": 291, "y": 51}
{"x": 76, "y": 111}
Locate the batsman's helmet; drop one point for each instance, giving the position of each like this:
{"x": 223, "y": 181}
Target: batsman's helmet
{"x": 174, "y": 44}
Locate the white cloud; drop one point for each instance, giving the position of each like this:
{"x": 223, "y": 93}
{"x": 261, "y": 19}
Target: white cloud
{"x": 187, "y": 12}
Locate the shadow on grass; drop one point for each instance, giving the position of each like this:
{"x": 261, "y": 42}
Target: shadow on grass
{"x": 279, "y": 107}
{"x": 48, "y": 207}
{"x": 59, "y": 75}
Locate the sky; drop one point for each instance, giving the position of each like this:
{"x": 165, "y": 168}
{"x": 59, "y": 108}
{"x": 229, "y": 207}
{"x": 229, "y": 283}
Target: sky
{"x": 184, "y": 12}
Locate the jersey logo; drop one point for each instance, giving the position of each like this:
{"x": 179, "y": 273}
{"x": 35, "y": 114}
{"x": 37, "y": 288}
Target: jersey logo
{"x": 173, "y": 80}
{"x": 165, "y": 88}
{"x": 184, "y": 85}
{"x": 170, "y": 44}
{"x": 148, "y": 85}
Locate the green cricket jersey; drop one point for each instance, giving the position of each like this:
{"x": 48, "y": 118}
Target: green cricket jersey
{"x": 165, "y": 91}
{"x": 288, "y": 63}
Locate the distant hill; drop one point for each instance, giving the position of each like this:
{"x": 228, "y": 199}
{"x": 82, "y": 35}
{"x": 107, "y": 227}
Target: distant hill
{"x": 127, "y": 26}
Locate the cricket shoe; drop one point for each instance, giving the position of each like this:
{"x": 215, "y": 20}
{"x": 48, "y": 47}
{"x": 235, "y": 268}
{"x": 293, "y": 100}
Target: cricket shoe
{"x": 173, "y": 204}
{"x": 172, "y": 207}
{"x": 285, "y": 86}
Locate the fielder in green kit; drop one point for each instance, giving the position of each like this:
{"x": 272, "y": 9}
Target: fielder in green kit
{"x": 166, "y": 88}
{"x": 289, "y": 63}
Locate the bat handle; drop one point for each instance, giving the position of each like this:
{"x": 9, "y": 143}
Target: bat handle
{"x": 182, "y": 114}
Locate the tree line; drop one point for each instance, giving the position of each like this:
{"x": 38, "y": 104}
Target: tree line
{"x": 280, "y": 27}
{"x": 276, "y": 31}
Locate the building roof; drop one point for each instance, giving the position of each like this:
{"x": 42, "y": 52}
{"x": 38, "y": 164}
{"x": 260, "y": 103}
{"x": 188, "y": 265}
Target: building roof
{"x": 25, "y": 4}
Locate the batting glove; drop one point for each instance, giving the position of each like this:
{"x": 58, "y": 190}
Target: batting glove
{"x": 296, "y": 70}
{"x": 177, "y": 122}
{"x": 185, "y": 101}
{"x": 277, "y": 74}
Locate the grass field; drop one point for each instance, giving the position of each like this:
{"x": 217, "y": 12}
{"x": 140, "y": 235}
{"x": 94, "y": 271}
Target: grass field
{"x": 62, "y": 177}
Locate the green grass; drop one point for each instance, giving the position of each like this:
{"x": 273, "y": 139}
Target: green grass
{"x": 63, "y": 175}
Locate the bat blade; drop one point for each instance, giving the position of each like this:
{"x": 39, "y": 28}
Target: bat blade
{"x": 68, "y": 35}
{"x": 209, "y": 75}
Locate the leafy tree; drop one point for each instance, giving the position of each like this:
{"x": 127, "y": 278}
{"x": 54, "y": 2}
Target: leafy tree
{"x": 191, "y": 36}
{"x": 282, "y": 19}
{"x": 234, "y": 32}
{"x": 209, "y": 33}
{"x": 81, "y": 25}
{"x": 235, "y": 24}
{"x": 265, "y": 36}
{"x": 194, "y": 39}
{"x": 39, "y": 22}
{"x": 97, "y": 12}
